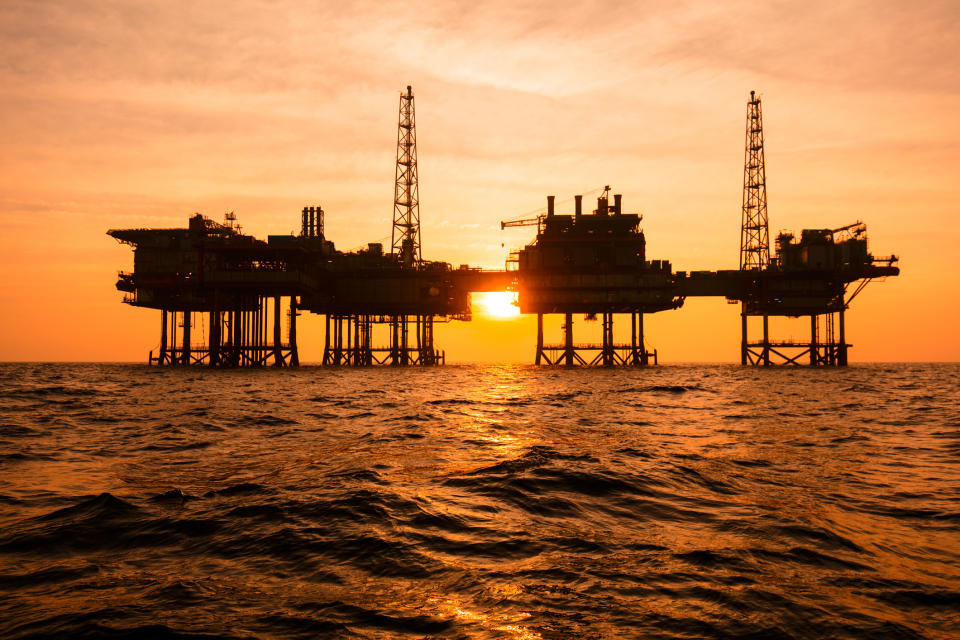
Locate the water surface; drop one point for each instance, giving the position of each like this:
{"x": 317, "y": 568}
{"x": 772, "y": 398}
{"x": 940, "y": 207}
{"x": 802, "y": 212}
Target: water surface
{"x": 480, "y": 502}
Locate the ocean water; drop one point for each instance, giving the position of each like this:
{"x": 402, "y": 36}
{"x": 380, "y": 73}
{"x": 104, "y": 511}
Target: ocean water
{"x": 480, "y": 502}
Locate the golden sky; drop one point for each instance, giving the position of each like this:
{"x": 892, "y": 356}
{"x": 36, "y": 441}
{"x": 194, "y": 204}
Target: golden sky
{"x": 131, "y": 114}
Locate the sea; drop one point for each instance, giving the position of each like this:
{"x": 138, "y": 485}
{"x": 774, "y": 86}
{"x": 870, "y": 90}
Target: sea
{"x": 480, "y": 501}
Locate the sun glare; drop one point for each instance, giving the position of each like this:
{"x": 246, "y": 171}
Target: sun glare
{"x": 497, "y": 304}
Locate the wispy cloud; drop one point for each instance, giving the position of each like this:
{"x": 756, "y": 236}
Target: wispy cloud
{"x": 124, "y": 113}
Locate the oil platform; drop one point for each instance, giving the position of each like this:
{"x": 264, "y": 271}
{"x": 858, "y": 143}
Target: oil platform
{"x": 592, "y": 264}
{"x": 242, "y": 296}
{"x": 816, "y": 275}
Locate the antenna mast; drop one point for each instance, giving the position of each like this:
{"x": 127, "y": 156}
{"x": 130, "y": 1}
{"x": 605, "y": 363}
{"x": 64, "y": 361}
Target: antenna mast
{"x": 754, "y": 231}
{"x": 406, "y": 200}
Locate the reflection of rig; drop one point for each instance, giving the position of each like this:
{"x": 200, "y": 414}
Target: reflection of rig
{"x": 244, "y": 295}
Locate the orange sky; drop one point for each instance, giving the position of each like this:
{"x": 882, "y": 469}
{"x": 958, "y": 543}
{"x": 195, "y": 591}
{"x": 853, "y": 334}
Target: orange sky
{"x": 140, "y": 113}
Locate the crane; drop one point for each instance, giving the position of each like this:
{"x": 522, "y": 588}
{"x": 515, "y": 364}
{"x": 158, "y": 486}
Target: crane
{"x": 526, "y": 222}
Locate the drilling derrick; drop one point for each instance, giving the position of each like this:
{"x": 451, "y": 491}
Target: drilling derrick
{"x": 754, "y": 228}
{"x": 398, "y": 289}
{"x": 807, "y": 276}
{"x": 406, "y": 238}
{"x": 406, "y": 199}
{"x": 754, "y": 232}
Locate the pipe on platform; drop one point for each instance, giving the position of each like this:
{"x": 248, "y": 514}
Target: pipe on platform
{"x": 578, "y": 200}
{"x": 550, "y": 206}
{"x": 617, "y": 204}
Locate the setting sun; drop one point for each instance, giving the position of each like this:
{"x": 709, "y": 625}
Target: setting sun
{"x": 500, "y": 305}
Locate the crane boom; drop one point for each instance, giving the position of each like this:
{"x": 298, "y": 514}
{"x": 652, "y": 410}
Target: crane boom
{"x": 526, "y": 222}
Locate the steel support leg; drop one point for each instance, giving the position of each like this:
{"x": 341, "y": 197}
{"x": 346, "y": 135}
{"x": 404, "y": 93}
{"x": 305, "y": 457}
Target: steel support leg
{"x": 213, "y": 341}
{"x": 326, "y": 339}
{"x": 186, "y": 338}
{"x": 162, "y": 358}
{"x": 242, "y": 343}
{"x": 842, "y": 355}
{"x": 294, "y": 356}
{"x": 395, "y": 340}
{"x": 278, "y": 359}
{"x": 814, "y": 346}
{"x": 348, "y": 331}
{"x": 644, "y": 358}
{"x": 420, "y": 340}
{"x": 607, "y": 345}
{"x": 428, "y": 353}
{"x": 539, "y": 338}
{"x": 766, "y": 341}
{"x": 743, "y": 335}
{"x": 356, "y": 341}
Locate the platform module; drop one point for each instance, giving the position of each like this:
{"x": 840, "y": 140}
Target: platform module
{"x": 593, "y": 264}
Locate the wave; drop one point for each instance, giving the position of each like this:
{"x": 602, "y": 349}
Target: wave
{"x": 477, "y": 502}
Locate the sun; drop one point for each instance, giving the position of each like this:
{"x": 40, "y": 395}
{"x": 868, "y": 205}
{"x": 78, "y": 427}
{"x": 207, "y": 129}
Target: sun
{"x": 500, "y": 305}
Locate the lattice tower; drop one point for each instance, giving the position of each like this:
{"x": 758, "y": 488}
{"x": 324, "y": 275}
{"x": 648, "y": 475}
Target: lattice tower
{"x": 754, "y": 231}
{"x": 406, "y": 201}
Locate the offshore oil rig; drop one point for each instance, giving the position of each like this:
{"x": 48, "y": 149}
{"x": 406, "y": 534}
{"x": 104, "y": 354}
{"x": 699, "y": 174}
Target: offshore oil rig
{"x": 242, "y": 296}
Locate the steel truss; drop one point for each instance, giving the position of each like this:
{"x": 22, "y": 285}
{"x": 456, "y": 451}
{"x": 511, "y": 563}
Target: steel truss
{"x": 826, "y": 346}
{"x": 606, "y": 354}
{"x": 754, "y": 230}
{"x": 349, "y": 341}
{"x": 248, "y": 336}
{"x": 405, "y": 240}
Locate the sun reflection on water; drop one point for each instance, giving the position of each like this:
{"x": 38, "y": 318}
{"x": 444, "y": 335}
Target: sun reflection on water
{"x": 454, "y": 608}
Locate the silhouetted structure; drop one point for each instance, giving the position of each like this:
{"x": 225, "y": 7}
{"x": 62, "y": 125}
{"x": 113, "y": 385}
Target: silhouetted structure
{"x": 210, "y": 277}
{"x": 374, "y": 293}
{"x": 244, "y": 295}
{"x": 406, "y": 194}
{"x": 593, "y": 264}
{"x": 754, "y": 231}
{"x": 807, "y": 277}
{"x": 405, "y": 240}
